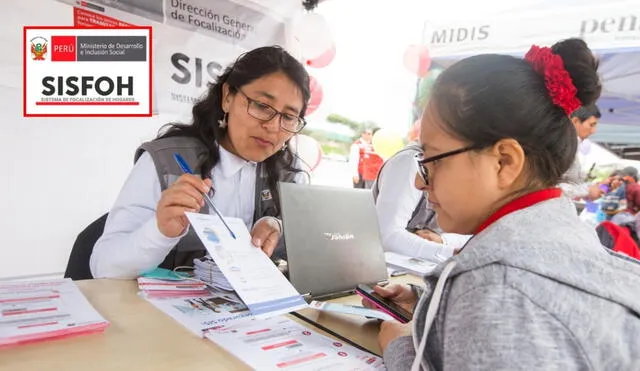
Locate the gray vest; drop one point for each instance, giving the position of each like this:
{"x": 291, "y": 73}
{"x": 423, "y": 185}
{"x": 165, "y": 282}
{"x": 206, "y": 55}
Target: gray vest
{"x": 422, "y": 217}
{"x": 193, "y": 151}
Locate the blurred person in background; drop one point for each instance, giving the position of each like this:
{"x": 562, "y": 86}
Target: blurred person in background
{"x": 356, "y": 155}
{"x": 408, "y": 225}
{"x": 575, "y": 186}
{"x": 632, "y": 196}
{"x": 365, "y": 163}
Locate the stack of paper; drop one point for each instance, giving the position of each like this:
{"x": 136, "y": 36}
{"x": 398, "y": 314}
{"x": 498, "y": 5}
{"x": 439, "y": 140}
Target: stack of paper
{"x": 164, "y": 288}
{"x": 42, "y": 310}
{"x": 206, "y": 270}
{"x": 280, "y": 343}
{"x": 189, "y": 301}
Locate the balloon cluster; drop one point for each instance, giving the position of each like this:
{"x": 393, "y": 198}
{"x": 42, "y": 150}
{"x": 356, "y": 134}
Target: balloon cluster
{"x": 317, "y": 47}
{"x": 315, "y": 40}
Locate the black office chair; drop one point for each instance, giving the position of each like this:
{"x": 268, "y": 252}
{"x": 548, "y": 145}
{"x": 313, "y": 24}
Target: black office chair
{"x": 78, "y": 265}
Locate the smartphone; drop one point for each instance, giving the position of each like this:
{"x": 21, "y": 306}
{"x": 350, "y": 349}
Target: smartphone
{"x": 385, "y": 305}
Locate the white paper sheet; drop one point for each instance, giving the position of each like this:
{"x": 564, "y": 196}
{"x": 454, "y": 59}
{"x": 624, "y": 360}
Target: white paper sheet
{"x": 154, "y": 284}
{"x": 399, "y": 262}
{"x": 280, "y": 343}
{"x": 350, "y": 309}
{"x": 254, "y": 277}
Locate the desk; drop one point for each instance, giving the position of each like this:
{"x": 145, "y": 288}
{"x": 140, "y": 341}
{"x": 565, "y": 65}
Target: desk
{"x": 359, "y": 330}
{"x": 141, "y": 337}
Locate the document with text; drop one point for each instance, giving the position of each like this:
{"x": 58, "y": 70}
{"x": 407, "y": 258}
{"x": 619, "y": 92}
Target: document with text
{"x": 280, "y": 343}
{"x": 251, "y": 273}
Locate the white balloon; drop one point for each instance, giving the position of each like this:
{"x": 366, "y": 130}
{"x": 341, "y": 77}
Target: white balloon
{"x": 308, "y": 151}
{"x": 313, "y": 34}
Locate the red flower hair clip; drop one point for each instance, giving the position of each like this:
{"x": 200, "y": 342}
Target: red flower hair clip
{"x": 556, "y": 77}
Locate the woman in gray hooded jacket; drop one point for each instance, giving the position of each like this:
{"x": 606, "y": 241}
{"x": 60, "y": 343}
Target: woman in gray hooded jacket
{"x": 533, "y": 289}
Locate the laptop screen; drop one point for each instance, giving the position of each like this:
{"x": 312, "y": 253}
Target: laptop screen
{"x": 332, "y": 238}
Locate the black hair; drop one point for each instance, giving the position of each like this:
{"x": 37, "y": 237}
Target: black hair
{"x": 208, "y": 110}
{"x": 585, "y": 112}
{"x": 486, "y": 98}
{"x": 309, "y": 5}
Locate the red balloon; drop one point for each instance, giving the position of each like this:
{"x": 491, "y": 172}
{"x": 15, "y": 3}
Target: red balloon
{"x": 323, "y": 59}
{"x": 316, "y": 95}
{"x": 417, "y": 59}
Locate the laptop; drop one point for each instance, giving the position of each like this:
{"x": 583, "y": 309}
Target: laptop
{"x": 332, "y": 238}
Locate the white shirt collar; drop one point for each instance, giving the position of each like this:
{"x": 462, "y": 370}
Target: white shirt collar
{"x": 230, "y": 164}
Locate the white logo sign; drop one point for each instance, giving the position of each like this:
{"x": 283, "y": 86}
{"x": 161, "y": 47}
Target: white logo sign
{"x": 338, "y": 236}
{"x": 87, "y": 72}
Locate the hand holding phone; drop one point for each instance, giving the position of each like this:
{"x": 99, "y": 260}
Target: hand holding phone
{"x": 385, "y": 305}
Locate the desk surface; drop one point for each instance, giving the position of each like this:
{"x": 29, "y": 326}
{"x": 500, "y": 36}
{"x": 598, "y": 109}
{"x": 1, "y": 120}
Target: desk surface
{"x": 142, "y": 337}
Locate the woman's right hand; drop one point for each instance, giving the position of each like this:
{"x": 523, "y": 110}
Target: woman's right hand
{"x": 185, "y": 195}
{"x": 402, "y": 295}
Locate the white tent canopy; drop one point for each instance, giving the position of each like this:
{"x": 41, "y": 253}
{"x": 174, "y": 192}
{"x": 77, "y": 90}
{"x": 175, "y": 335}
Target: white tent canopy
{"x": 611, "y": 29}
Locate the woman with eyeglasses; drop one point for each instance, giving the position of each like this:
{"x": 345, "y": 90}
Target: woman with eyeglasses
{"x": 533, "y": 289}
{"x": 237, "y": 148}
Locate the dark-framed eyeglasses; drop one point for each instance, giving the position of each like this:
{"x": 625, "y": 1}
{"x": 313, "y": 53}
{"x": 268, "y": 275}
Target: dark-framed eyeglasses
{"x": 422, "y": 162}
{"x": 265, "y": 112}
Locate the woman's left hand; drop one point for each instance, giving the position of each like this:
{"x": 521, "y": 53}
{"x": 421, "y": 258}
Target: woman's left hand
{"x": 391, "y": 330}
{"x": 265, "y": 234}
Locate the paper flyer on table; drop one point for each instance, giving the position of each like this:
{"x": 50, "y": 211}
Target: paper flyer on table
{"x": 200, "y": 314}
{"x": 280, "y": 343}
{"x": 254, "y": 277}
{"x": 408, "y": 263}
{"x": 350, "y": 309}
{"x": 37, "y": 310}
{"x": 154, "y": 284}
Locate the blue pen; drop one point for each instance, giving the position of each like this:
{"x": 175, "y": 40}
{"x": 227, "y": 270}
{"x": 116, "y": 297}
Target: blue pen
{"x": 187, "y": 170}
